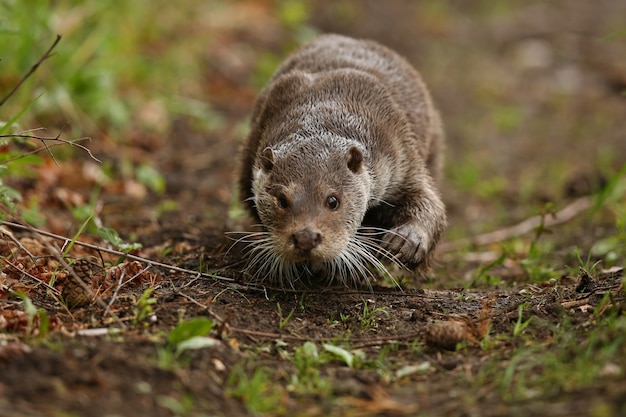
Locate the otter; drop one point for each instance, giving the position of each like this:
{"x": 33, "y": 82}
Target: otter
{"x": 340, "y": 167}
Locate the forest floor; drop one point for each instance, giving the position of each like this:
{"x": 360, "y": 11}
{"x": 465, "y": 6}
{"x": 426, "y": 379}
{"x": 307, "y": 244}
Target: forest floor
{"x": 523, "y": 314}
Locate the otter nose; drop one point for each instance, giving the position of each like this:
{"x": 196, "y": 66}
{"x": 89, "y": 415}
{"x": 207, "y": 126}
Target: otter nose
{"x": 306, "y": 240}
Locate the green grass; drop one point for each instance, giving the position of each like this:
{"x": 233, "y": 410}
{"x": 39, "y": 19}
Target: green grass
{"x": 256, "y": 389}
{"x": 370, "y": 316}
{"x": 114, "y": 70}
{"x": 567, "y": 363}
{"x": 119, "y": 62}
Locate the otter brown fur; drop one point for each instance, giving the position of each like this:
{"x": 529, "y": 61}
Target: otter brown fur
{"x": 340, "y": 165}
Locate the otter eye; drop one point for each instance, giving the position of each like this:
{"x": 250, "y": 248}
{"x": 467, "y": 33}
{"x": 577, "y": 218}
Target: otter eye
{"x": 282, "y": 201}
{"x": 332, "y": 202}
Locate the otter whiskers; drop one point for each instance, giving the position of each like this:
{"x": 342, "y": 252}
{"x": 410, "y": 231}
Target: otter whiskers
{"x": 360, "y": 263}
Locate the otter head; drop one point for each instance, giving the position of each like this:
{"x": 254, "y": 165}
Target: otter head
{"x": 311, "y": 195}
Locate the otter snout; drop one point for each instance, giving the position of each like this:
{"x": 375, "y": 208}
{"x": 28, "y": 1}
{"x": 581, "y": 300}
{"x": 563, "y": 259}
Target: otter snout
{"x": 306, "y": 240}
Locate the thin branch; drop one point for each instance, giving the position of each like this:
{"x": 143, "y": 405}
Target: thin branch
{"x": 118, "y": 287}
{"x": 32, "y": 70}
{"x": 6, "y": 232}
{"x": 36, "y": 151}
{"x": 115, "y": 252}
{"x": 59, "y": 257}
{"x": 47, "y": 147}
{"x": 31, "y": 276}
{"x": 562, "y": 216}
{"x": 371, "y": 341}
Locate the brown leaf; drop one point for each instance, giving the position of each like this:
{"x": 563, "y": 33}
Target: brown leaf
{"x": 13, "y": 320}
{"x": 485, "y": 317}
{"x": 127, "y": 273}
{"x": 12, "y": 350}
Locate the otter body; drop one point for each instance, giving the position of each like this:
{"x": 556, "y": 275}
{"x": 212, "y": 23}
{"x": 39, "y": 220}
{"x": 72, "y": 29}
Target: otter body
{"x": 340, "y": 165}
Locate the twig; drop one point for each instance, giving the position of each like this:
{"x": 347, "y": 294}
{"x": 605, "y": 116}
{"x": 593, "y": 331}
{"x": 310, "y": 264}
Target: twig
{"x": 47, "y": 147}
{"x": 564, "y": 215}
{"x": 118, "y": 287}
{"x": 115, "y": 252}
{"x": 31, "y": 276}
{"x": 37, "y": 150}
{"x": 575, "y": 303}
{"x": 7, "y": 233}
{"x": 204, "y": 307}
{"x": 32, "y": 70}
{"x": 56, "y": 253}
{"x": 370, "y": 341}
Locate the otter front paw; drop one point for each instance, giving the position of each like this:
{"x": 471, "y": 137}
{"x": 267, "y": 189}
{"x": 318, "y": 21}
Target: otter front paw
{"x": 408, "y": 243}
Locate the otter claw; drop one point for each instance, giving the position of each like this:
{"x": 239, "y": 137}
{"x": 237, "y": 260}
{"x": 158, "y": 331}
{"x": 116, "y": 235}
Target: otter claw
{"x": 408, "y": 243}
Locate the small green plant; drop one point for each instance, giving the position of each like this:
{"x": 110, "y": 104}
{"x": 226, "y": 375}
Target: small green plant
{"x": 606, "y": 300}
{"x": 86, "y": 211}
{"x": 514, "y": 373}
{"x": 535, "y": 263}
{"x": 188, "y": 335}
{"x": 481, "y": 274}
{"x": 151, "y": 178}
{"x": 613, "y": 192}
{"x": 111, "y": 236}
{"x": 143, "y": 307}
{"x": 283, "y": 320}
{"x": 488, "y": 342}
{"x": 408, "y": 370}
{"x": 166, "y": 205}
{"x": 227, "y": 290}
{"x": 258, "y": 391}
{"x": 586, "y": 264}
{"x": 369, "y": 317}
{"x": 520, "y": 324}
{"x": 308, "y": 379}
{"x": 304, "y": 300}
{"x": 191, "y": 334}
{"x": 31, "y": 212}
{"x": 180, "y": 407}
{"x": 35, "y": 315}
{"x": 8, "y": 197}
{"x": 613, "y": 248}
{"x": 306, "y": 357}
{"x": 351, "y": 358}
{"x": 80, "y": 231}
{"x": 611, "y": 199}
{"x": 344, "y": 317}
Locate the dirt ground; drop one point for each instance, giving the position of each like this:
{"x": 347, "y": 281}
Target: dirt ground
{"x": 532, "y": 101}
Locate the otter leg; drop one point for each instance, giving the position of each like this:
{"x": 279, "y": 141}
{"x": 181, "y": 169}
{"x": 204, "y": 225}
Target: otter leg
{"x": 410, "y": 243}
{"x": 416, "y": 226}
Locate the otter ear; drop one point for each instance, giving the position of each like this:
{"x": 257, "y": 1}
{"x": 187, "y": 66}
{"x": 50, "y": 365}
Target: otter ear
{"x": 355, "y": 159}
{"x": 267, "y": 159}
